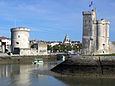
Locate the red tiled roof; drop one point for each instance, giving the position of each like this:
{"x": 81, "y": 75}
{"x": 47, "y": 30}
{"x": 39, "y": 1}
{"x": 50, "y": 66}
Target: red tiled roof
{"x": 2, "y": 37}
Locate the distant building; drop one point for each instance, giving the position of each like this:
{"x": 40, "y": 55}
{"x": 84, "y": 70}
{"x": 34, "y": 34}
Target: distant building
{"x": 75, "y": 42}
{"x": 5, "y": 44}
{"x": 33, "y": 41}
{"x": 53, "y": 43}
{"x": 67, "y": 40}
{"x": 40, "y": 48}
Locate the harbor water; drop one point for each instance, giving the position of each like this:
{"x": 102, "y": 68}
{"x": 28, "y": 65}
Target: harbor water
{"x": 33, "y": 75}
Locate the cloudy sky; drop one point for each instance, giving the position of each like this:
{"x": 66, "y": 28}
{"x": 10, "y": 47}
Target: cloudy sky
{"x": 52, "y": 19}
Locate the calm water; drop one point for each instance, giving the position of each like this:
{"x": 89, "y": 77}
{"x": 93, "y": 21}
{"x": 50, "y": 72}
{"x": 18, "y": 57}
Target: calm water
{"x": 27, "y": 75}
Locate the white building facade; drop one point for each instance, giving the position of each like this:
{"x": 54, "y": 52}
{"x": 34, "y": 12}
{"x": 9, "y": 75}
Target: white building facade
{"x": 5, "y": 44}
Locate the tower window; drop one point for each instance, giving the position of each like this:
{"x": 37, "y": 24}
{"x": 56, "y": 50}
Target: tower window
{"x": 17, "y": 42}
{"x": 18, "y": 36}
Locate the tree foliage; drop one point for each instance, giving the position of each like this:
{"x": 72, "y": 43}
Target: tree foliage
{"x": 68, "y": 47}
{"x": 49, "y": 47}
{"x": 75, "y": 47}
{"x": 55, "y": 47}
{"x": 63, "y": 47}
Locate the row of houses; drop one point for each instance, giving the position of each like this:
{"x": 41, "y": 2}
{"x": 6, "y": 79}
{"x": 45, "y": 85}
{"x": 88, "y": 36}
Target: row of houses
{"x": 5, "y": 43}
{"x": 17, "y": 46}
{"x": 66, "y": 41}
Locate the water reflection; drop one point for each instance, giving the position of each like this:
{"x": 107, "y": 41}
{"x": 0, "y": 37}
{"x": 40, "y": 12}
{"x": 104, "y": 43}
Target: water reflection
{"x": 74, "y": 81}
{"x": 17, "y": 74}
{"x": 27, "y": 75}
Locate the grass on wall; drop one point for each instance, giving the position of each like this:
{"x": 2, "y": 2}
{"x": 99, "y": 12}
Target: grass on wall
{"x": 106, "y": 55}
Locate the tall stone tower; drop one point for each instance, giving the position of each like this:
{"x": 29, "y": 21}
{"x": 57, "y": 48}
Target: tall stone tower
{"x": 19, "y": 39}
{"x": 95, "y": 38}
{"x": 89, "y": 32}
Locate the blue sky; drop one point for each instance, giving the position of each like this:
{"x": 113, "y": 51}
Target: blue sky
{"x": 51, "y": 20}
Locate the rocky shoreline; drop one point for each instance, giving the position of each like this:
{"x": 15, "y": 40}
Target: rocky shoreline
{"x": 103, "y": 66}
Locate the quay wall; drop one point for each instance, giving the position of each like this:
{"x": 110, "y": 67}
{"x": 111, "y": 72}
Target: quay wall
{"x": 87, "y": 65}
{"x": 25, "y": 59}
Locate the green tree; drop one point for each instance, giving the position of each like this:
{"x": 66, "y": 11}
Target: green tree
{"x": 69, "y": 47}
{"x": 55, "y": 47}
{"x": 79, "y": 46}
{"x": 49, "y": 47}
{"x": 75, "y": 47}
{"x": 62, "y": 47}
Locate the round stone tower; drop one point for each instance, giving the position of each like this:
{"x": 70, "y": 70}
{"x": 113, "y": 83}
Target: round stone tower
{"x": 19, "y": 39}
{"x": 103, "y": 36}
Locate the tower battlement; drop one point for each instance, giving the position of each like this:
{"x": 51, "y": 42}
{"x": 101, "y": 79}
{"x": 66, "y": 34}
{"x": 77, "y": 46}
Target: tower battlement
{"x": 89, "y": 12}
{"x": 20, "y": 29}
{"x": 102, "y": 21}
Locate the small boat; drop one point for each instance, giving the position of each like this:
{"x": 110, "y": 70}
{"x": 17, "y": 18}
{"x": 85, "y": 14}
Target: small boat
{"x": 37, "y": 61}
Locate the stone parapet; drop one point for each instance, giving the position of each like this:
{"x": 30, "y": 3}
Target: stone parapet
{"x": 20, "y": 29}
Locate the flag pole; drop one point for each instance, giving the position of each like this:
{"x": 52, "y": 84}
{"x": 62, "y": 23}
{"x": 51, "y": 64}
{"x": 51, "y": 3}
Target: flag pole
{"x": 91, "y": 4}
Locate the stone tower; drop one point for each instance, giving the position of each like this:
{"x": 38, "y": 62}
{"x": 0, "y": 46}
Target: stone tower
{"x": 103, "y": 36}
{"x": 19, "y": 39}
{"x": 95, "y": 38}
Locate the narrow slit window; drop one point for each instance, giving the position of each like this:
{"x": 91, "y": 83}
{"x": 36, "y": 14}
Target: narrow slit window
{"x": 17, "y": 42}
